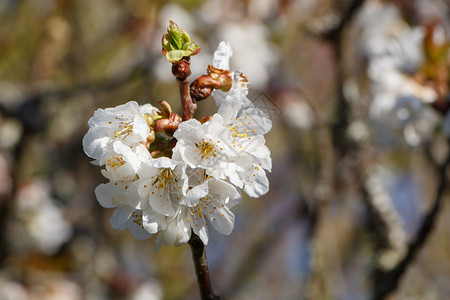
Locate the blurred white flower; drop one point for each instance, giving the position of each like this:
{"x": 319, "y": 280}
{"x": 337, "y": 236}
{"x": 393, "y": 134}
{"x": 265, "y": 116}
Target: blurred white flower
{"x": 394, "y": 51}
{"x": 256, "y": 55}
{"x": 56, "y": 289}
{"x": 149, "y": 290}
{"x": 45, "y": 225}
{"x": 385, "y": 34}
{"x": 10, "y": 290}
{"x": 399, "y": 102}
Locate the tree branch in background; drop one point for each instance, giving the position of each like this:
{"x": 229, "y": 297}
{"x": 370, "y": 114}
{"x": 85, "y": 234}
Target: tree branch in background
{"x": 387, "y": 281}
{"x": 201, "y": 268}
{"x": 334, "y": 32}
{"x": 334, "y": 142}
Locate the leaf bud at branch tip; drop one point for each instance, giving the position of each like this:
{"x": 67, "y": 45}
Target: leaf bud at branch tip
{"x": 176, "y": 44}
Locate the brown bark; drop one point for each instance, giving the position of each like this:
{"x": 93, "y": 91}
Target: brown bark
{"x": 201, "y": 268}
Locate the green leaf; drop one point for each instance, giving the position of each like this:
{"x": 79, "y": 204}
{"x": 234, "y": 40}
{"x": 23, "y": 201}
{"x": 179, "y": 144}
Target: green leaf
{"x": 177, "y": 43}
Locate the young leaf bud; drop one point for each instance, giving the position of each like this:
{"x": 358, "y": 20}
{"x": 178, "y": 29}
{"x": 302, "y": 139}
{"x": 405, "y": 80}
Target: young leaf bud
{"x": 176, "y": 44}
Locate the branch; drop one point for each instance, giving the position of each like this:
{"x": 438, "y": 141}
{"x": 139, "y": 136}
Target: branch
{"x": 334, "y": 33}
{"x": 181, "y": 70}
{"x": 387, "y": 281}
{"x": 201, "y": 268}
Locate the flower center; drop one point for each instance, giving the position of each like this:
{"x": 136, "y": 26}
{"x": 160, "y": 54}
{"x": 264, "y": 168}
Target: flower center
{"x": 137, "y": 218}
{"x": 206, "y": 149}
{"x": 126, "y": 130}
{"x": 165, "y": 178}
{"x": 115, "y": 162}
{"x": 126, "y": 126}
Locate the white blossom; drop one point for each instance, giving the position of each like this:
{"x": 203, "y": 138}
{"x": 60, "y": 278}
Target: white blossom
{"x": 44, "y": 223}
{"x": 394, "y": 51}
{"x": 229, "y": 146}
{"x": 207, "y": 146}
{"x": 162, "y": 185}
{"x": 196, "y": 182}
{"x": 221, "y": 61}
{"x": 211, "y": 209}
{"x": 122, "y": 162}
{"x": 176, "y": 233}
{"x": 208, "y": 202}
{"x": 141, "y": 224}
{"x": 127, "y": 123}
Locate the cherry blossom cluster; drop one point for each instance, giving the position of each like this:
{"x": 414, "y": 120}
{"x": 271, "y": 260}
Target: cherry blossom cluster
{"x": 176, "y": 177}
{"x": 408, "y": 71}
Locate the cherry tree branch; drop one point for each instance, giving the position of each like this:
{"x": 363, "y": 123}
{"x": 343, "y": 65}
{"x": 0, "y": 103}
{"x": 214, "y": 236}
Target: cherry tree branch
{"x": 181, "y": 70}
{"x": 387, "y": 281}
{"x": 332, "y": 32}
{"x": 201, "y": 268}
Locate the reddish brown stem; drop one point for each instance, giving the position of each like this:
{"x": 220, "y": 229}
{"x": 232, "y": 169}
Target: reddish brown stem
{"x": 181, "y": 70}
{"x": 187, "y": 105}
{"x": 201, "y": 268}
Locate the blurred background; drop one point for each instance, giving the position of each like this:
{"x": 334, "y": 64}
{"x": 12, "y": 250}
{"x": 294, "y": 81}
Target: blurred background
{"x": 357, "y": 92}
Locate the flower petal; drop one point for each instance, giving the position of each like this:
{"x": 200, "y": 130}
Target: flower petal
{"x": 194, "y": 194}
{"x": 222, "y": 56}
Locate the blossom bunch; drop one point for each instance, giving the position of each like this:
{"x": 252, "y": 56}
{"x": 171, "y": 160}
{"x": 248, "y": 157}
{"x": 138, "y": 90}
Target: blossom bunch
{"x": 174, "y": 177}
{"x": 408, "y": 71}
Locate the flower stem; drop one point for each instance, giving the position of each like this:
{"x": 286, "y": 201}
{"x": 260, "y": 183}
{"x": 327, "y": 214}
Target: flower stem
{"x": 181, "y": 70}
{"x": 201, "y": 268}
{"x": 188, "y": 106}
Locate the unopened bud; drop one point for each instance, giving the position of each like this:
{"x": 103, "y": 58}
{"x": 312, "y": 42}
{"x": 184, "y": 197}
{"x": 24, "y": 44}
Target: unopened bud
{"x": 202, "y": 87}
{"x": 199, "y": 90}
{"x": 168, "y": 125}
{"x": 181, "y": 69}
{"x": 222, "y": 78}
{"x": 151, "y": 136}
{"x": 175, "y": 118}
{"x": 166, "y": 110}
